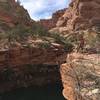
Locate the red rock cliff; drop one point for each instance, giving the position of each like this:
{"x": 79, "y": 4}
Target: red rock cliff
{"x": 51, "y": 23}
{"x": 11, "y": 13}
{"x": 24, "y": 66}
{"x": 80, "y": 15}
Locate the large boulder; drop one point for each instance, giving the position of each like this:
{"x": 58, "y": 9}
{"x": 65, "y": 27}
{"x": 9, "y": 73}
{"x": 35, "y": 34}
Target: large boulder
{"x": 81, "y": 77}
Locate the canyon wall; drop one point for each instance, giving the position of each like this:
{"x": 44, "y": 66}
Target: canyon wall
{"x": 81, "y": 73}
{"x": 81, "y": 77}
{"x": 51, "y": 23}
{"x": 11, "y": 14}
{"x": 80, "y": 15}
{"x": 27, "y": 66}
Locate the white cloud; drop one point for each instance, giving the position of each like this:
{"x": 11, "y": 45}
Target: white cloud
{"x": 43, "y": 8}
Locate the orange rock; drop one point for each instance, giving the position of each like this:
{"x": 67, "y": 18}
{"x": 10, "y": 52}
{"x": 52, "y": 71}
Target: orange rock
{"x": 51, "y": 23}
{"x": 80, "y": 15}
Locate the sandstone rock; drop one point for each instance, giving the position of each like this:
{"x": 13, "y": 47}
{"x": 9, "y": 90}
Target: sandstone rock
{"x": 80, "y": 15}
{"x": 80, "y": 78}
{"x": 50, "y": 23}
{"x": 23, "y": 66}
{"x": 11, "y": 14}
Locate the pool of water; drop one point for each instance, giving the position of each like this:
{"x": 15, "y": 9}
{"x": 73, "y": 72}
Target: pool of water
{"x": 50, "y": 92}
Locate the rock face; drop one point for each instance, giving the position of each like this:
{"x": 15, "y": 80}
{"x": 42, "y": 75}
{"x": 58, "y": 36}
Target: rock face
{"x": 17, "y": 56}
{"x": 11, "y": 14}
{"x": 81, "y": 14}
{"x": 51, "y": 23}
{"x": 81, "y": 77}
{"x": 24, "y": 66}
{"x": 21, "y": 63}
{"x": 81, "y": 72}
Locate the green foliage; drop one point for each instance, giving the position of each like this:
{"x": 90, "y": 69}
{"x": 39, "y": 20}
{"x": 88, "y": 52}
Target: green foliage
{"x": 92, "y": 41}
{"x": 44, "y": 45}
{"x": 20, "y": 32}
{"x": 5, "y": 6}
{"x": 2, "y": 36}
{"x": 39, "y": 30}
{"x": 58, "y": 38}
{"x": 4, "y": 26}
{"x": 68, "y": 46}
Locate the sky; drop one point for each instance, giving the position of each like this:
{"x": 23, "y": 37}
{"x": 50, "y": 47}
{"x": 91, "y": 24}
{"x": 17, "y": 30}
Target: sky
{"x": 43, "y": 9}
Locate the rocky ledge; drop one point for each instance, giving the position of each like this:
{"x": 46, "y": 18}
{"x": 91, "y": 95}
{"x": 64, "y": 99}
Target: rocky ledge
{"x": 23, "y": 66}
{"x": 80, "y": 15}
{"x": 81, "y": 77}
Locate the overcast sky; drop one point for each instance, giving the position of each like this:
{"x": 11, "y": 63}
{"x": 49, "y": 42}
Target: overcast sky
{"x": 40, "y": 9}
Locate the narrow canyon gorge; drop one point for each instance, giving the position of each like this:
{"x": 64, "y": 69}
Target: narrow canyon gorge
{"x": 63, "y": 50}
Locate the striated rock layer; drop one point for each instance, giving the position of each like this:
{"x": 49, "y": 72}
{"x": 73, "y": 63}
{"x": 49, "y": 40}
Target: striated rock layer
{"x": 27, "y": 66}
{"x": 80, "y": 15}
{"x": 51, "y": 23}
{"x": 11, "y": 14}
{"x": 81, "y": 77}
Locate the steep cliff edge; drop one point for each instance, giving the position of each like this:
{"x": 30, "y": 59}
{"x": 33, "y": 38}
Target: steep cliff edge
{"x": 80, "y": 15}
{"x": 31, "y": 56}
{"x": 81, "y": 77}
{"x": 51, "y": 23}
{"x": 81, "y": 72}
{"x": 12, "y": 14}
{"x": 28, "y": 54}
{"x": 30, "y": 66}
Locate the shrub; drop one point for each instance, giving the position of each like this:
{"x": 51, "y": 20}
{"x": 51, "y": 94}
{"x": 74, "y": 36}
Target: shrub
{"x": 39, "y": 30}
{"x": 68, "y": 46}
{"x": 58, "y": 38}
{"x": 20, "y": 32}
{"x": 44, "y": 45}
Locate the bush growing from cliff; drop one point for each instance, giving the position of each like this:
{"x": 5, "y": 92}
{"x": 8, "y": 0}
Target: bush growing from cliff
{"x": 58, "y": 38}
{"x": 68, "y": 46}
{"x": 44, "y": 45}
{"x": 39, "y": 30}
{"x": 19, "y": 33}
{"x": 84, "y": 41}
{"x": 5, "y": 6}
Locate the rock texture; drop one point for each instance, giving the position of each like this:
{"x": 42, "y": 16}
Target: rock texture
{"x": 29, "y": 60}
{"x": 80, "y": 15}
{"x": 81, "y": 77}
{"x": 11, "y": 14}
{"x": 27, "y": 66}
{"x": 51, "y": 23}
{"x": 17, "y": 56}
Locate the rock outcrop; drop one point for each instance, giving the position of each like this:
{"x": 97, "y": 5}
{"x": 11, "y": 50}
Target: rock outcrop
{"x": 81, "y": 77}
{"x": 80, "y": 15}
{"x": 11, "y": 14}
{"x": 51, "y": 23}
{"x": 22, "y": 66}
{"x": 26, "y": 61}
{"x": 81, "y": 72}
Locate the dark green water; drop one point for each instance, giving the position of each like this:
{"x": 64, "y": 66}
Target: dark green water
{"x": 51, "y": 92}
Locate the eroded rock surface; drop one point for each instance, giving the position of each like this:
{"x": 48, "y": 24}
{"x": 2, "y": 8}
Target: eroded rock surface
{"x": 12, "y": 14}
{"x": 80, "y": 15}
{"x": 51, "y": 23}
{"x": 27, "y": 66}
{"x": 81, "y": 77}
